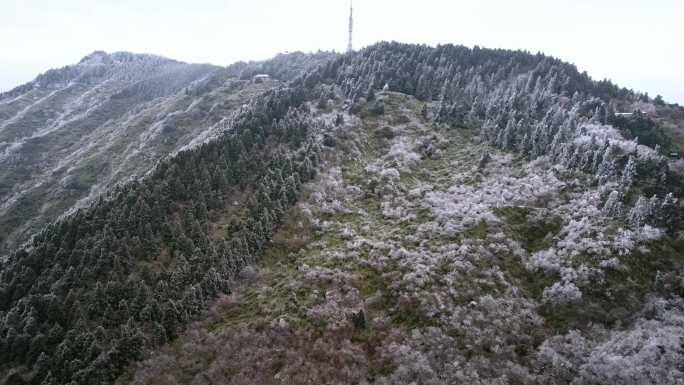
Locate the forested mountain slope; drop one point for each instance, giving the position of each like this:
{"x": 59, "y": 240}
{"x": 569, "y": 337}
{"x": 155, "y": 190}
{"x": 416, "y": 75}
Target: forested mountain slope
{"x": 480, "y": 221}
{"x": 93, "y": 290}
{"x": 411, "y": 260}
{"x": 75, "y": 132}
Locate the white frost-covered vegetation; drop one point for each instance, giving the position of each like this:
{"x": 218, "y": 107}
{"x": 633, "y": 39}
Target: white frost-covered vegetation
{"x": 647, "y": 352}
{"x": 463, "y": 206}
{"x": 423, "y": 269}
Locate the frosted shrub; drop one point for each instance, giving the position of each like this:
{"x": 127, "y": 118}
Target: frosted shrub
{"x": 647, "y": 353}
{"x": 354, "y": 190}
{"x": 418, "y": 192}
{"x": 347, "y": 233}
{"x": 582, "y": 275}
{"x": 611, "y": 263}
{"x": 401, "y": 153}
{"x": 327, "y": 195}
{"x": 547, "y": 260}
{"x": 581, "y": 237}
{"x": 601, "y": 135}
{"x": 582, "y": 206}
{"x": 561, "y": 356}
{"x": 455, "y": 215}
{"x": 562, "y": 293}
{"x": 391, "y": 212}
{"x": 318, "y": 274}
{"x": 412, "y": 366}
{"x": 390, "y": 174}
{"x": 648, "y": 233}
{"x": 337, "y": 304}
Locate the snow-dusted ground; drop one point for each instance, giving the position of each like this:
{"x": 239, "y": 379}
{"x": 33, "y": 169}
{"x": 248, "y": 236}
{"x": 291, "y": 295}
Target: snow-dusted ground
{"x": 64, "y": 145}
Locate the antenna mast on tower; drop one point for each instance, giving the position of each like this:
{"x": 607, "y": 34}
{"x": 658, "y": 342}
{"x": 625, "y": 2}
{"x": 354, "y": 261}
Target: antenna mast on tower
{"x": 351, "y": 26}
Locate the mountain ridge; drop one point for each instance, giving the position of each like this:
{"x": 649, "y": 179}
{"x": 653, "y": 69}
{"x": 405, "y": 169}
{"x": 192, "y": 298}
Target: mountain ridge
{"x": 494, "y": 171}
{"x": 94, "y": 124}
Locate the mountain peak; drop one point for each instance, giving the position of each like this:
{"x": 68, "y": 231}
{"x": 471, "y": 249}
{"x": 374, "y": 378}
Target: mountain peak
{"x": 96, "y": 57}
{"x": 122, "y": 57}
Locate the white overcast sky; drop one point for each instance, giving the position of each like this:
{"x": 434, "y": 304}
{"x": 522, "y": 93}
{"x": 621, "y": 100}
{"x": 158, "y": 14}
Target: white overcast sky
{"x": 638, "y": 44}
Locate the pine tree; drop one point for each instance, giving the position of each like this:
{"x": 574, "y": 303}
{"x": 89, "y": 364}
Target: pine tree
{"x": 613, "y": 206}
{"x": 505, "y": 141}
{"x": 370, "y": 95}
{"x": 339, "y": 120}
{"x": 597, "y": 117}
{"x": 607, "y": 169}
{"x": 659, "y": 283}
{"x": 484, "y": 159}
{"x": 628, "y": 174}
{"x": 666, "y": 212}
{"x": 640, "y": 213}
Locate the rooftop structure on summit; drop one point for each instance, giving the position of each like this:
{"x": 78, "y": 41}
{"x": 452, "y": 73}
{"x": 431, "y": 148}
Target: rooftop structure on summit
{"x": 629, "y": 114}
{"x": 260, "y": 78}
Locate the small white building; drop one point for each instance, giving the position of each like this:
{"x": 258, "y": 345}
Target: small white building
{"x": 260, "y": 78}
{"x": 630, "y": 114}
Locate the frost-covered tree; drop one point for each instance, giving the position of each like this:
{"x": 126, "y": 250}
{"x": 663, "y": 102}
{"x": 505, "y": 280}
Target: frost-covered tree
{"x": 628, "y": 174}
{"x": 666, "y": 213}
{"x": 506, "y": 137}
{"x": 641, "y": 212}
{"x": 424, "y": 112}
{"x": 648, "y": 352}
{"x": 607, "y": 168}
{"x": 599, "y": 115}
{"x": 659, "y": 283}
{"x": 613, "y": 206}
{"x": 484, "y": 159}
{"x": 562, "y": 356}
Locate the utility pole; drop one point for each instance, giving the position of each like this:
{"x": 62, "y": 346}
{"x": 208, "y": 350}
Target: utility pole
{"x": 351, "y": 26}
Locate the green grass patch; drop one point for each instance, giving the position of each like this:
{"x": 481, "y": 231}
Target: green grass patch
{"x": 533, "y": 233}
{"x": 478, "y": 231}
